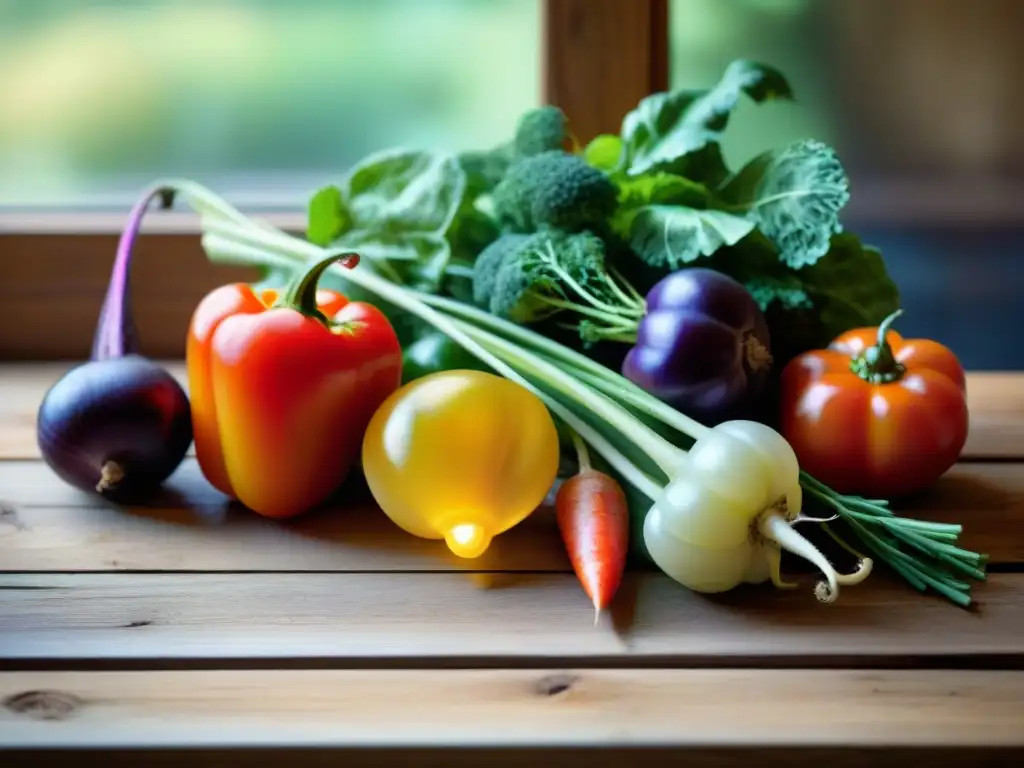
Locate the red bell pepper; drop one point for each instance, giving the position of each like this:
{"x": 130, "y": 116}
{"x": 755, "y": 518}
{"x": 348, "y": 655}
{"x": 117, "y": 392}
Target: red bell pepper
{"x": 874, "y": 414}
{"x": 282, "y": 389}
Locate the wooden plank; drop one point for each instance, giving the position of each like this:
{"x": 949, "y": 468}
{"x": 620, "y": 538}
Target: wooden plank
{"x": 996, "y": 402}
{"x": 502, "y": 756}
{"x": 53, "y": 285}
{"x": 622, "y": 46}
{"x": 47, "y": 525}
{"x": 738, "y": 709}
{"x": 22, "y": 388}
{"x": 50, "y": 526}
{"x": 430, "y": 619}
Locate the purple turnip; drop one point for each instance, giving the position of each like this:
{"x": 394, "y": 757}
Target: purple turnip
{"x": 118, "y": 424}
{"x": 702, "y": 345}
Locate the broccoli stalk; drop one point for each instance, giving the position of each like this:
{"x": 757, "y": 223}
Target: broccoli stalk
{"x": 528, "y": 278}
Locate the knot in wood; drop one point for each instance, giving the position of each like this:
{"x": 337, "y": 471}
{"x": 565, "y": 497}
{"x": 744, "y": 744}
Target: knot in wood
{"x": 552, "y": 685}
{"x": 43, "y": 705}
{"x": 9, "y": 516}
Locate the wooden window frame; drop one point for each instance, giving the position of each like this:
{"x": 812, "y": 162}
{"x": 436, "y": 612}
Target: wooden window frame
{"x": 600, "y": 58}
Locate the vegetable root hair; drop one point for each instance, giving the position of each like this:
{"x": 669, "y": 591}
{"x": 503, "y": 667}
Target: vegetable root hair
{"x": 774, "y": 527}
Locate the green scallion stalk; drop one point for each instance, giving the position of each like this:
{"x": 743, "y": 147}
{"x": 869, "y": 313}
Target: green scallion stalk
{"x": 921, "y": 552}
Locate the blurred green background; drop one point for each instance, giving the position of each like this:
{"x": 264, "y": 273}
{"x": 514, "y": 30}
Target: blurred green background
{"x": 265, "y": 100}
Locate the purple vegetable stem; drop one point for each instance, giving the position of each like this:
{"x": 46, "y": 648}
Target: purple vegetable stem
{"x": 116, "y": 335}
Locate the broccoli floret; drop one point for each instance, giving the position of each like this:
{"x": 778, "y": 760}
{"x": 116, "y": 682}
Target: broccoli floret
{"x": 526, "y": 278}
{"x": 554, "y": 189}
{"x": 485, "y": 269}
{"x": 539, "y": 130}
{"x": 484, "y": 169}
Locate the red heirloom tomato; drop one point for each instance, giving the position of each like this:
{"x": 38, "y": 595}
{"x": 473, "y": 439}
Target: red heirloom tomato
{"x": 874, "y": 414}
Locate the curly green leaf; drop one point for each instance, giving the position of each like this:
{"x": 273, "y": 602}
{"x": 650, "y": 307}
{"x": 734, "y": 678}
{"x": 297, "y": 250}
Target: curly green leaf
{"x": 666, "y": 127}
{"x": 793, "y": 196}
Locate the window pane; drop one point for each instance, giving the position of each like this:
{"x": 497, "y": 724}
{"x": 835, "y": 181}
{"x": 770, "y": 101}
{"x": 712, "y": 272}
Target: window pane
{"x": 923, "y": 101}
{"x": 261, "y": 99}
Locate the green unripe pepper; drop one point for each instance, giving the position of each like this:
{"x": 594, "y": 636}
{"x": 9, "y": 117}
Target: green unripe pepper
{"x": 433, "y": 352}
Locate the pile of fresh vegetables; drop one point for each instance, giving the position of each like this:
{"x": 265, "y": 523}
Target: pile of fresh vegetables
{"x": 706, "y": 348}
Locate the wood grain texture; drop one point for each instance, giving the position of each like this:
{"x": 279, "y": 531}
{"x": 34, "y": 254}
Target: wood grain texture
{"x": 22, "y": 388}
{"x": 621, "y": 46}
{"x": 546, "y": 707}
{"x": 427, "y": 619}
{"x": 848, "y": 755}
{"x": 47, "y": 525}
{"x": 53, "y": 286}
{"x": 996, "y": 405}
{"x": 996, "y": 402}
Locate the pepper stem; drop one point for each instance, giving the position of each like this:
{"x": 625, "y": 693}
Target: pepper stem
{"x": 116, "y": 335}
{"x": 877, "y": 364}
{"x": 300, "y": 294}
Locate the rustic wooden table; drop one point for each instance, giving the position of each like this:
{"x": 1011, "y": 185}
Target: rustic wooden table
{"x": 194, "y": 630}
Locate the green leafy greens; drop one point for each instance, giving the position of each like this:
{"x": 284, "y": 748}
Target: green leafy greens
{"x": 422, "y": 218}
{"x": 395, "y": 208}
{"x": 483, "y": 242}
{"x": 679, "y": 130}
{"x": 666, "y": 221}
{"x": 793, "y": 196}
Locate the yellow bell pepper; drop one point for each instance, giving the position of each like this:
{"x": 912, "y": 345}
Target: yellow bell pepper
{"x": 462, "y": 456}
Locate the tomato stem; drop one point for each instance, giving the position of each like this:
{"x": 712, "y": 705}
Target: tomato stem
{"x": 300, "y": 294}
{"x": 877, "y": 364}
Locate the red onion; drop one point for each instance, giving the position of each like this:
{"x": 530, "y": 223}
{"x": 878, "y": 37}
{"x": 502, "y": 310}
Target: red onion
{"x": 118, "y": 424}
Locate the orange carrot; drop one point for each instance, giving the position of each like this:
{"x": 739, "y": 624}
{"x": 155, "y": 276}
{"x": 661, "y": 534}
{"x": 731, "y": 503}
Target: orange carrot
{"x": 593, "y": 517}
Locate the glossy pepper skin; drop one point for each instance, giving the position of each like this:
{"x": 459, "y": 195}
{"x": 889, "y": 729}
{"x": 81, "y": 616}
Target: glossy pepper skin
{"x": 874, "y": 414}
{"x": 282, "y": 388}
{"x": 435, "y": 352}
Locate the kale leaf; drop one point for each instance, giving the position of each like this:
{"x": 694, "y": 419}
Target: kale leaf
{"x": 794, "y": 195}
{"x": 665, "y": 128}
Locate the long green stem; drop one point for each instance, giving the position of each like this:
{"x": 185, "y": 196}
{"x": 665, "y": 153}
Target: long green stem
{"x": 610, "y": 334}
{"x": 500, "y": 345}
{"x": 459, "y": 270}
{"x": 610, "y": 318}
{"x": 665, "y": 455}
{"x": 639, "y": 306}
{"x": 583, "y": 293}
{"x": 629, "y": 286}
{"x": 476, "y": 342}
{"x": 598, "y": 375}
{"x": 601, "y": 331}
